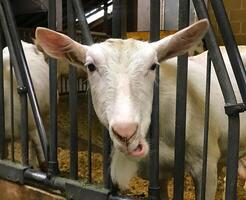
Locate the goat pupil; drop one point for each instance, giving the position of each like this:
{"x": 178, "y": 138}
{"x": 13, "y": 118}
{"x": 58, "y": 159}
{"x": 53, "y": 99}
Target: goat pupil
{"x": 91, "y": 67}
{"x": 153, "y": 67}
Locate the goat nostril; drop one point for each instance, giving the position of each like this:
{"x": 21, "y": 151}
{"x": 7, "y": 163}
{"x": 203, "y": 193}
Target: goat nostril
{"x": 124, "y": 131}
{"x": 121, "y": 138}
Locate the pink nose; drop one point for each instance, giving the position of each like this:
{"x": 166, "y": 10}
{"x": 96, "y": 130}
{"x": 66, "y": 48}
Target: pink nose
{"x": 125, "y": 131}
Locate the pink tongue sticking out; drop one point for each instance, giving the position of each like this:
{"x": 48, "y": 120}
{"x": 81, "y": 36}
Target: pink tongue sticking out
{"x": 138, "y": 152}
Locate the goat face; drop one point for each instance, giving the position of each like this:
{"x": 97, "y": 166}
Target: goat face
{"x": 121, "y": 75}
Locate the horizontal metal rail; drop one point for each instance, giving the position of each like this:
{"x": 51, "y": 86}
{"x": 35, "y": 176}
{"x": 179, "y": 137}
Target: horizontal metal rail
{"x": 73, "y": 189}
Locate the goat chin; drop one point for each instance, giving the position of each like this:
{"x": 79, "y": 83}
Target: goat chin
{"x": 123, "y": 168}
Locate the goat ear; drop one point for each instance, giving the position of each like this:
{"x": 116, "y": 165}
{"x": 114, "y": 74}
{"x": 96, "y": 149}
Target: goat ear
{"x": 180, "y": 42}
{"x": 60, "y": 46}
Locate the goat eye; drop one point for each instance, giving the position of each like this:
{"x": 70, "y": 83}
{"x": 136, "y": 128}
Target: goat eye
{"x": 153, "y": 67}
{"x": 91, "y": 67}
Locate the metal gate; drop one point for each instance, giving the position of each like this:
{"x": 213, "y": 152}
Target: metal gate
{"x": 74, "y": 189}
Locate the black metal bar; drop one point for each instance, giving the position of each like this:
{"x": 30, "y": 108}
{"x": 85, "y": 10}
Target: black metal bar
{"x": 181, "y": 99}
{"x": 119, "y": 19}
{"x": 2, "y": 113}
{"x": 87, "y": 39}
{"x": 53, "y": 163}
{"x": 105, "y": 16}
{"x": 89, "y": 117}
{"x": 230, "y": 99}
{"x": 73, "y": 107}
{"x": 216, "y": 56}
{"x": 116, "y": 19}
{"x": 206, "y": 128}
{"x": 21, "y": 69}
{"x": 232, "y": 157}
{"x": 73, "y": 104}
{"x": 231, "y": 46}
{"x": 24, "y": 125}
{"x": 85, "y": 31}
{"x": 12, "y": 111}
{"x": 154, "y": 20}
{"x": 106, "y": 159}
{"x": 154, "y": 186}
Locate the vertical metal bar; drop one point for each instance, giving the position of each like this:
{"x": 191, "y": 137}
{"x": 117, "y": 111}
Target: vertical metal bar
{"x": 231, "y": 46}
{"x": 24, "y": 124}
{"x": 181, "y": 98}
{"x": 12, "y": 113}
{"x": 89, "y": 117}
{"x": 154, "y": 187}
{"x": 73, "y": 107}
{"x": 106, "y": 159}
{"x": 87, "y": 39}
{"x": 85, "y": 31}
{"x": 105, "y": 16}
{"x": 2, "y": 113}
{"x": 154, "y": 20}
{"x": 206, "y": 128}
{"x": 232, "y": 157}
{"x": 53, "y": 163}
{"x": 216, "y": 56}
{"x": 116, "y": 19}
{"x": 229, "y": 96}
{"x": 21, "y": 69}
{"x": 119, "y": 19}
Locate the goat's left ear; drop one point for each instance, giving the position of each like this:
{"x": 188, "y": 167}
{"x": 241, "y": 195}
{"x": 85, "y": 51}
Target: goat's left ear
{"x": 180, "y": 42}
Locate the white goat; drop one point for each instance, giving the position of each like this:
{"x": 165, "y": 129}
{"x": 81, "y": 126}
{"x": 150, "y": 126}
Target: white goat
{"x": 39, "y": 71}
{"x": 121, "y": 75}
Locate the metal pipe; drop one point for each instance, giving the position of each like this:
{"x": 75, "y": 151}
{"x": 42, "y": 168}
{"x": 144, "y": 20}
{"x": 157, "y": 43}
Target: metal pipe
{"x": 2, "y": 112}
{"x": 89, "y": 117}
{"x": 73, "y": 103}
{"x": 232, "y": 157}
{"x": 216, "y": 56}
{"x": 105, "y": 16}
{"x": 73, "y": 107}
{"x": 12, "y": 123}
{"x": 24, "y": 125}
{"x": 106, "y": 159}
{"x": 206, "y": 128}
{"x": 85, "y": 31}
{"x": 181, "y": 99}
{"x": 154, "y": 186}
{"x": 53, "y": 163}
{"x": 154, "y": 20}
{"x": 229, "y": 98}
{"x": 231, "y": 46}
{"x": 21, "y": 69}
{"x": 119, "y": 19}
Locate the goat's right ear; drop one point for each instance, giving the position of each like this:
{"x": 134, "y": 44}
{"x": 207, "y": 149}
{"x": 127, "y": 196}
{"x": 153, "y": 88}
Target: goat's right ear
{"x": 60, "y": 46}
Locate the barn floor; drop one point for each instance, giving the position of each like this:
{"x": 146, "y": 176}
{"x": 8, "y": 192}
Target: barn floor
{"x": 138, "y": 186}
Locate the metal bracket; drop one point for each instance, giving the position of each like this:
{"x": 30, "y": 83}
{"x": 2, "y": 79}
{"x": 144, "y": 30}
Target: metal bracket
{"x": 234, "y": 109}
{"x": 21, "y": 89}
{"x": 12, "y": 171}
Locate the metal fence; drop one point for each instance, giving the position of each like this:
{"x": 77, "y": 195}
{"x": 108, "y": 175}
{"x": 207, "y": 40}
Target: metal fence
{"x": 72, "y": 188}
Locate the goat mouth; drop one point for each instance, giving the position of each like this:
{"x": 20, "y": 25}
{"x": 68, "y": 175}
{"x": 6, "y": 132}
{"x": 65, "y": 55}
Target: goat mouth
{"x": 139, "y": 151}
